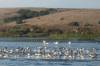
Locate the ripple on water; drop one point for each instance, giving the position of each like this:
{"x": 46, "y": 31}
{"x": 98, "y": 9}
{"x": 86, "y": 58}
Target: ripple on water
{"x": 6, "y": 62}
{"x": 30, "y": 62}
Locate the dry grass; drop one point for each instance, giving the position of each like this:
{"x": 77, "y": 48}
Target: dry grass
{"x": 60, "y": 19}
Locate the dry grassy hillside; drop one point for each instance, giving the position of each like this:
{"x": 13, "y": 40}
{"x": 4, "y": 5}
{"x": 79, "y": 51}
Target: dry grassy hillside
{"x": 62, "y": 24}
{"x": 58, "y": 20}
{"x": 7, "y": 12}
{"x": 61, "y": 20}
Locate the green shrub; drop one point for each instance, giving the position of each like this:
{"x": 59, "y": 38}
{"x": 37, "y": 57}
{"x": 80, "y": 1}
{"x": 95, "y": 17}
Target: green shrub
{"x": 98, "y": 22}
{"x": 76, "y": 24}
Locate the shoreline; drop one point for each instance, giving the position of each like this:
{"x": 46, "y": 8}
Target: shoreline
{"x": 28, "y": 39}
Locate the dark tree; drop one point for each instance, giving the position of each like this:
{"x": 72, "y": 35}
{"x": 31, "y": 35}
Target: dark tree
{"x": 25, "y": 13}
{"x": 98, "y": 22}
{"x": 77, "y": 24}
{"x": 42, "y": 13}
{"x": 51, "y": 31}
{"x": 52, "y": 10}
{"x": 19, "y": 21}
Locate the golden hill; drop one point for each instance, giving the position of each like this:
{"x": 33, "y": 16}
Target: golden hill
{"x": 59, "y": 20}
{"x": 62, "y": 19}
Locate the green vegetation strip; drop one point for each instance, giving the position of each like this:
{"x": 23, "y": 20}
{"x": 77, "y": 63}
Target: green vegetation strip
{"x": 72, "y": 36}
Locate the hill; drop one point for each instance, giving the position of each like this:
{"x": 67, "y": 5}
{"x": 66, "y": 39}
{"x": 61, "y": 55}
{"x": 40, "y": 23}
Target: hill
{"x": 62, "y": 19}
{"x": 80, "y": 22}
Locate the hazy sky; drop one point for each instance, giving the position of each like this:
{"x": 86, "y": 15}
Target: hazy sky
{"x": 51, "y": 3}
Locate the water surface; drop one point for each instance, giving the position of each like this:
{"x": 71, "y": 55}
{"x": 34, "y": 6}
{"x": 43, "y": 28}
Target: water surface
{"x": 33, "y": 45}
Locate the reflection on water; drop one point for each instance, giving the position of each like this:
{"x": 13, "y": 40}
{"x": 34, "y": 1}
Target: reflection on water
{"x": 23, "y": 62}
{"x": 33, "y": 45}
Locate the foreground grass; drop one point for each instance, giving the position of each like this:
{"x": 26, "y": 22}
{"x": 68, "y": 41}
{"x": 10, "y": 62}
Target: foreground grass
{"x": 71, "y": 36}
{"x": 55, "y": 36}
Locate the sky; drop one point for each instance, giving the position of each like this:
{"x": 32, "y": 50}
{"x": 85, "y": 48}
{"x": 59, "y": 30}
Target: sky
{"x": 51, "y": 3}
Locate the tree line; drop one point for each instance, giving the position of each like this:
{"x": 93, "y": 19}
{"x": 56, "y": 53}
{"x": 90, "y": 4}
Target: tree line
{"x": 27, "y": 13}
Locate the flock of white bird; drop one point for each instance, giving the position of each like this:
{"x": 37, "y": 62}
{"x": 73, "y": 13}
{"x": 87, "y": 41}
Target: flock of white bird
{"x": 44, "y": 52}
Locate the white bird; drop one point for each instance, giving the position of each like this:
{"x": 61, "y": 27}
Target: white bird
{"x": 69, "y": 43}
{"x": 44, "y": 41}
{"x": 56, "y": 43}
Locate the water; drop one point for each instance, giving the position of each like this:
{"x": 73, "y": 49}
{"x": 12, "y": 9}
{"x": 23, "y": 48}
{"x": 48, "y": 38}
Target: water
{"x": 31, "y": 62}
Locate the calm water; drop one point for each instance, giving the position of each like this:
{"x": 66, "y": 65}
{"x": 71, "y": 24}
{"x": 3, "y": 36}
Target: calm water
{"x": 30, "y": 62}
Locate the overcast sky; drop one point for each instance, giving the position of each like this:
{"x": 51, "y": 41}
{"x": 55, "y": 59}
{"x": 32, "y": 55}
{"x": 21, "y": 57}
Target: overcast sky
{"x": 51, "y": 3}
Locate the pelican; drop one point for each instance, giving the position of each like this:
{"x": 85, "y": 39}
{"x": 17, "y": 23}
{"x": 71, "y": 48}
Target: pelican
{"x": 37, "y": 53}
{"x": 56, "y": 43}
{"x": 46, "y": 45}
{"x": 44, "y": 42}
{"x": 28, "y": 55}
{"x": 70, "y": 54}
{"x": 92, "y": 53}
{"x": 10, "y": 51}
{"x": 81, "y": 53}
{"x": 69, "y": 43}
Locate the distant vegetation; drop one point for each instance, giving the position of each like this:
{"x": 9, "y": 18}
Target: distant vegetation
{"x": 82, "y": 33}
{"x": 98, "y": 22}
{"x": 27, "y": 13}
{"x": 73, "y": 29}
{"x": 77, "y": 24}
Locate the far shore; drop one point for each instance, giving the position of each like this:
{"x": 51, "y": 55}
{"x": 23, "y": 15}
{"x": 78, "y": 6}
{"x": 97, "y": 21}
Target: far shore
{"x": 30, "y": 39}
